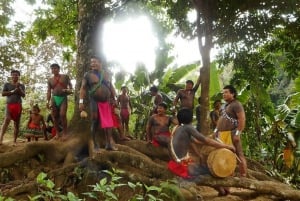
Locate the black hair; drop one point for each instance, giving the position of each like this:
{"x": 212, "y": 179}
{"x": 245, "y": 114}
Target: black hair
{"x": 123, "y": 87}
{"x": 164, "y": 105}
{"x": 15, "y": 71}
{"x": 36, "y": 106}
{"x": 216, "y": 102}
{"x": 154, "y": 89}
{"x": 231, "y": 89}
{"x": 185, "y": 116}
{"x": 55, "y": 65}
{"x": 189, "y": 81}
{"x": 96, "y": 57}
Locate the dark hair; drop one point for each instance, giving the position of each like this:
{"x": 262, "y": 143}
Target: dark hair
{"x": 189, "y": 81}
{"x": 164, "y": 105}
{"x": 154, "y": 89}
{"x": 123, "y": 87}
{"x": 216, "y": 102}
{"x": 231, "y": 89}
{"x": 15, "y": 71}
{"x": 185, "y": 116}
{"x": 55, "y": 65}
{"x": 96, "y": 57}
{"x": 36, "y": 106}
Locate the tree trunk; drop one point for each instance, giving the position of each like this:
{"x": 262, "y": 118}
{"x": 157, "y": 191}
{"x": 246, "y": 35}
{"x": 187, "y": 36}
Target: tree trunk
{"x": 91, "y": 16}
{"x": 204, "y": 31}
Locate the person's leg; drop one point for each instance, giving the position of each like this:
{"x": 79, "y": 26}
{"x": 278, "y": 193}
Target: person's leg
{"x": 4, "y": 128}
{"x": 126, "y": 124}
{"x": 55, "y": 117}
{"x": 110, "y": 143}
{"x": 239, "y": 152}
{"x": 94, "y": 125}
{"x": 16, "y": 130}
{"x": 63, "y": 117}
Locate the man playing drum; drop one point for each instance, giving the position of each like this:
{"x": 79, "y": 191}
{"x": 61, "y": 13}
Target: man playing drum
{"x": 181, "y": 140}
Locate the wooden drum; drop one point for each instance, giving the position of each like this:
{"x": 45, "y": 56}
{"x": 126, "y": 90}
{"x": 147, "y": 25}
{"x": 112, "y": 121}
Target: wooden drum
{"x": 221, "y": 162}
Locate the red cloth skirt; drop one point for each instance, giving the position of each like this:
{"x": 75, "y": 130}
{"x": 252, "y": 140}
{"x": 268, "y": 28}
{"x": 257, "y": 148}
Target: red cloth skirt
{"x": 14, "y": 110}
{"x": 105, "y": 114}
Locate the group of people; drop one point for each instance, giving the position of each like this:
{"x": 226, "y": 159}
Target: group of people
{"x": 228, "y": 120}
{"x": 59, "y": 87}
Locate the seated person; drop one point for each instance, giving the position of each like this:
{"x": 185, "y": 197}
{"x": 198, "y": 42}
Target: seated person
{"x": 50, "y": 126}
{"x": 158, "y": 126}
{"x": 36, "y": 125}
{"x": 181, "y": 140}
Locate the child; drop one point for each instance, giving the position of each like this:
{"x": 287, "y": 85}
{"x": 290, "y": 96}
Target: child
{"x": 36, "y": 124}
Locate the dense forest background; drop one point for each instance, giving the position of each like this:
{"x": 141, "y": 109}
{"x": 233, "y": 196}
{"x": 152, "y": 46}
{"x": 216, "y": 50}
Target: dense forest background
{"x": 260, "y": 43}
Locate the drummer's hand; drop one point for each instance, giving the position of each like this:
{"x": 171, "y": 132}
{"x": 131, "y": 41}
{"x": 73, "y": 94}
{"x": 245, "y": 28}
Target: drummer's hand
{"x": 232, "y": 148}
{"x": 81, "y": 106}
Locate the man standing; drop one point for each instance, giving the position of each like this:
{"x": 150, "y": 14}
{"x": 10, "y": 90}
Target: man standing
{"x": 186, "y": 96}
{"x": 231, "y": 124}
{"x": 99, "y": 92}
{"x": 157, "y": 99}
{"x": 215, "y": 114}
{"x": 125, "y": 108}
{"x": 59, "y": 86}
{"x": 14, "y": 91}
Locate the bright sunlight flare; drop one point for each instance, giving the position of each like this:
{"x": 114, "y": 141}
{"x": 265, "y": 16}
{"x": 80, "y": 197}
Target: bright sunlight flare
{"x": 130, "y": 42}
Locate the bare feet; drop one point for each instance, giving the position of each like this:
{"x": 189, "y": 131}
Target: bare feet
{"x": 111, "y": 148}
{"x": 97, "y": 151}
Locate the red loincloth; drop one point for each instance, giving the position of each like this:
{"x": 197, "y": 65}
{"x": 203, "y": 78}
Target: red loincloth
{"x": 34, "y": 126}
{"x": 124, "y": 113}
{"x": 105, "y": 115}
{"x": 116, "y": 119}
{"x": 179, "y": 169}
{"x": 155, "y": 142}
{"x": 14, "y": 110}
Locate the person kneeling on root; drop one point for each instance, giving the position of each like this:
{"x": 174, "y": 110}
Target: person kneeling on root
{"x": 181, "y": 141}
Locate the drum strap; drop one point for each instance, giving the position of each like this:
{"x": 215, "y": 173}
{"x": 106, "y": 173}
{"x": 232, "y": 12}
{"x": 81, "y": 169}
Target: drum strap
{"x": 175, "y": 157}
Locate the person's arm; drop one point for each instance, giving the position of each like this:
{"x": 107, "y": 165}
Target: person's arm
{"x": 174, "y": 120}
{"x": 82, "y": 94}
{"x": 48, "y": 94}
{"x": 69, "y": 83}
{"x": 216, "y": 144}
{"x": 208, "y": 141}
{"x": 176, "y": 101}
{"x": 29, "y": 121}
{"x": 148, "y": 130}
{"x": 130, "y": 105}
{"x": 241, "y": 123}
{"x": 196, "y": 86}
{"x": 20, "y": 90}
{"x": 6, "y": 92}
{"x": 43, "y": 122}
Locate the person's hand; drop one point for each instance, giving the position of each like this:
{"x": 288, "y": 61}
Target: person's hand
{"x": 231, "y": 148}
{"x": 81, "y": 107}
{"x": 83, "y": 114}
{"x": 216, "y": 134}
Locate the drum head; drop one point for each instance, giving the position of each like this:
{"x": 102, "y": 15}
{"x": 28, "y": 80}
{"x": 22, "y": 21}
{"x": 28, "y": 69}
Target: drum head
{"x": 221, "y": 162}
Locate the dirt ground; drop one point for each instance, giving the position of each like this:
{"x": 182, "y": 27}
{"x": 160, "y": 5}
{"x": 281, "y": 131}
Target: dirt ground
{"x": 202, "y": 192}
